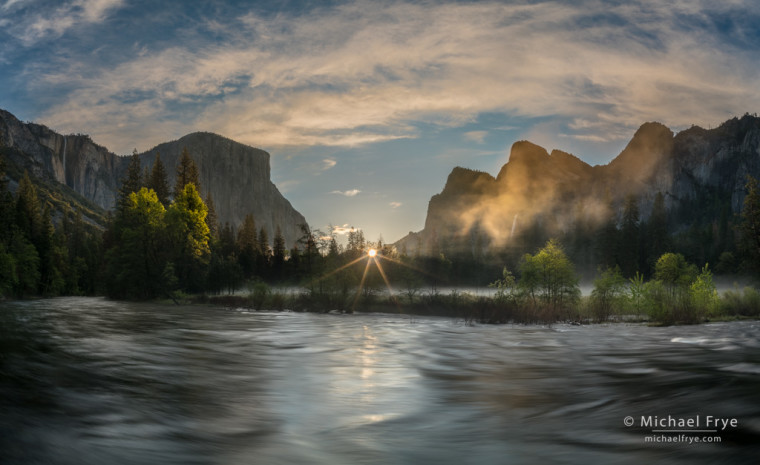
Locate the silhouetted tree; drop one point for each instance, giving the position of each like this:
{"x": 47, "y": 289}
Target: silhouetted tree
{"x": 187, "y": 173}
{"x": 247, "y": 245}
{"x": 28, "y": 214}
{"x": 629, "y": 237}
{"x": 278, "y": 254}
{"x": 211, "y": 219}
{"x": 159, "y": 182}
{"x": 657, "y": 230}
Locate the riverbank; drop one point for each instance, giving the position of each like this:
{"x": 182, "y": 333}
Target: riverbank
{"x": 737, "y": 304}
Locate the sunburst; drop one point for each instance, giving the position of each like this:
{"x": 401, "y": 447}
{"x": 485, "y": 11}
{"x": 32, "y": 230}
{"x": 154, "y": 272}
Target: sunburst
{"x": 372, "y": 256}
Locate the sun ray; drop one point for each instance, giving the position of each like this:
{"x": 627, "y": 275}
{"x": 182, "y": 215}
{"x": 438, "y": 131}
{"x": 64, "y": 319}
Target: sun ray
{"x": 387, "y": 283}
{"x": 325, "y": 276}
{"x": 361, "y": 285}
{"x": 413, "y": 268}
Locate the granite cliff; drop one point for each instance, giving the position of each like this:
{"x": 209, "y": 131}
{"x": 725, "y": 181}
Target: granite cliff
{"x": 701, "y": 174}
{"x": 236, "y": 175}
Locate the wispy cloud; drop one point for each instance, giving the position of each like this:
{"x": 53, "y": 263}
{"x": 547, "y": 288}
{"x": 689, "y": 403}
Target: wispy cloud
{"x": 9, "y": 3}
{"x": 42, "y": 22}
{"x": 476, "y": 136}
{"x": 348, "y": 193}
{"x": 363, "y": 72}
{"x": 395, "y": 205}
{"x": 343, "y": 230}
{"x": 328, "y": 163}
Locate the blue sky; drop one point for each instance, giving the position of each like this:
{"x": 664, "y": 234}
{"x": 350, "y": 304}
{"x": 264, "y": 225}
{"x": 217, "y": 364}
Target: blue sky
{"x": 366, "y": 106}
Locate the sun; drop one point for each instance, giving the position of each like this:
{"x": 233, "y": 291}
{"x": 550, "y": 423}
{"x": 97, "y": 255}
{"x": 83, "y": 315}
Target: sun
{"x": 372, "y": 252}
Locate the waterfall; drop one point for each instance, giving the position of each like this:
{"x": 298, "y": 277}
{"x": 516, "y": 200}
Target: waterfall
{"x": 64, "y": 160}
{"x": 514, "y": 223}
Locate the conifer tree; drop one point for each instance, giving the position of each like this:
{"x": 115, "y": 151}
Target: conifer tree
{"x": 132, "y": 182}
{"x": 247, "y": 245}
{"x": 264, "y": 241}
{"x": 263, "y": 254}
{"x": 187, "y": 173}
{"x": 137, "y": 259}
{"x": 211, "y": 219}
{"x": 629, "y": 237}
{"x": 278, "y": 253}
{"x": 189, "y": 234}
{"x": 227, "y": 244}
{"x": 28, "y": 214}
{"x": 158, "y": 181}
{"x": 658, "y": 240}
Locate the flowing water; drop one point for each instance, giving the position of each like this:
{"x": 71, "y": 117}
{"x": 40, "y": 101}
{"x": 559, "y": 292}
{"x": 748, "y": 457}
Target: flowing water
{"x": 92, "y": 381}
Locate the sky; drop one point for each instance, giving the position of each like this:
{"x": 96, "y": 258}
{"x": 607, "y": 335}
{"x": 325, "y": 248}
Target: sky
{"x": 366, "y": 106}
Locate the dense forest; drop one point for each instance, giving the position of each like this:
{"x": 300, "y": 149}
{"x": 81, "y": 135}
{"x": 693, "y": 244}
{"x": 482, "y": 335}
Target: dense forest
{"x": 162, "y": 242}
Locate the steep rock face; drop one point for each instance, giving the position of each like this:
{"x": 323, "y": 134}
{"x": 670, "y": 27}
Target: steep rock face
{"x": 644, "y": 162}
{"x": 719, "y": 160}
{"x": 700, "y": 172}
{"x": 464, "y": 188}
{"x": 236, "y": 175}
{"x": 74, "y": 160}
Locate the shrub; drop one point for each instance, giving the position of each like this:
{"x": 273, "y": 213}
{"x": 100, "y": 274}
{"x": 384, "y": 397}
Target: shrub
{"x": 704, "y": 295}
{"x": 744, "y": 303}
{"x": 259, "y": 295}
{"x": 607, "y": 293}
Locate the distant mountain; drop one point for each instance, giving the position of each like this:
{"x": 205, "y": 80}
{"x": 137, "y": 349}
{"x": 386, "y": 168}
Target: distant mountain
{"x": 701, "y": 174}
{"x": 236, "y": 175}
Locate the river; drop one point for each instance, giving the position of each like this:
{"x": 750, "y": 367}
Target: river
{"x": 93, "y": 381}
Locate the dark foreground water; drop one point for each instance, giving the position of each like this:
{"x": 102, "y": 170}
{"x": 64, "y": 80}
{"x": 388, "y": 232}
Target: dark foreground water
{"x": 90, "y": 381}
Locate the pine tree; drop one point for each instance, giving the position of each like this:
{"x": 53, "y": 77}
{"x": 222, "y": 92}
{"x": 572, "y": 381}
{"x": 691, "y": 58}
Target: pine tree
{"x": 51, "y": 257}
{"x": 607, "y": 239}
{"x": 28, "y": 215}
{"x": 332, "y": 249}
{"x": 211, "y": 219}
{"x": 629, "y": 237}
{"x": 658, "y": 240}
{"x": 264, "y": 241}
{"x": 158, "y": 181}
{"x": 187, "y": 229}
{"x": 247, "y": 245}
{"x": 264, "y": 253}
{"x": 132, "y": 182}
{"x": 227, "y": 243}
{"x": 137, "y": 260}
{"x": 278, "y": 253}
{"x": 187, "y": 173}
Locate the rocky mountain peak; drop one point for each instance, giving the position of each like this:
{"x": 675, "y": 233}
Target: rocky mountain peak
{"x": 236, "y": 175}
{"x": 525, "y": 157}
{"x": 464, "y": 179}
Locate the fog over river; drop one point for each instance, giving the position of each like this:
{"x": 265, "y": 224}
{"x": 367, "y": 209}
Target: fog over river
{"x": 93, "y": 381}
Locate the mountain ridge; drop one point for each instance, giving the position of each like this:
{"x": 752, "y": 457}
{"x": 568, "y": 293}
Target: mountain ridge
{"x": 700, "y": 172}
{"x": 236, "y": 175}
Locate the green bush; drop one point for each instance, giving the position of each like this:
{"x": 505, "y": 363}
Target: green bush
{"x": 607, "y": 293}
{"x": 704, "y": 295}
{"x": 259, "y": 294}
{"x": 740, "y": 303}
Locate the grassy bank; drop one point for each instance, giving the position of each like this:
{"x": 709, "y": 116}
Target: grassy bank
{"x": 652, "y": 306}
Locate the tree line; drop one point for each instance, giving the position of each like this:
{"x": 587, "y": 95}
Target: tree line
{"x": 161, "y": 242}
{"x": 38, "y": 258}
